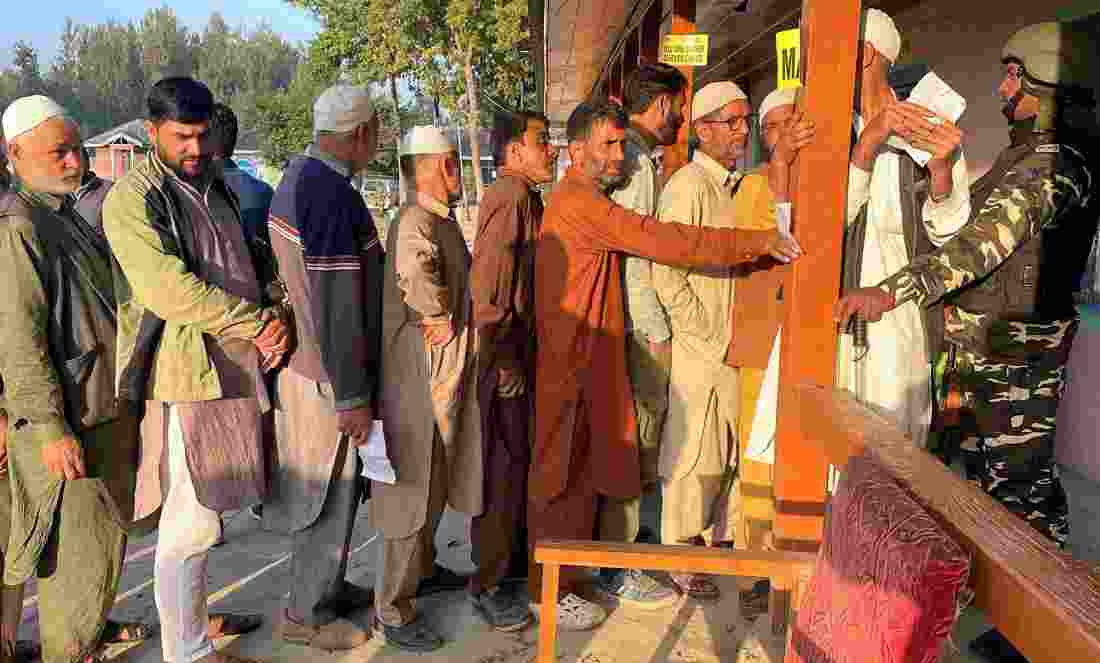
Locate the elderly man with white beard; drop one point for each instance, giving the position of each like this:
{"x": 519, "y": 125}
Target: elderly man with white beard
{"x": 66, "y": 432}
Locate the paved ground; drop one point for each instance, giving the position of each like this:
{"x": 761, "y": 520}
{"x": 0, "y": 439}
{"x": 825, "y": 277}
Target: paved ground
{"x": 249, "y": 573}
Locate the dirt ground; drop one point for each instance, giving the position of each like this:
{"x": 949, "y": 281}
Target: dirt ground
{"x": 250, "y": 574}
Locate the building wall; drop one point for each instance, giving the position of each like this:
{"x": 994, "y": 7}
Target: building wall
{"x": 962, "y": 42}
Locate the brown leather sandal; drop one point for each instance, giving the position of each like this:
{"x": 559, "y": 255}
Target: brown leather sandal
{"x": 224, "y": 624}
{"x": 115, "y": 632}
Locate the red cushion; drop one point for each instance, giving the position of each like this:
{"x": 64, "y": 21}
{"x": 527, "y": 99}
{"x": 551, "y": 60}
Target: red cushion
{"x": 887, "y": 579}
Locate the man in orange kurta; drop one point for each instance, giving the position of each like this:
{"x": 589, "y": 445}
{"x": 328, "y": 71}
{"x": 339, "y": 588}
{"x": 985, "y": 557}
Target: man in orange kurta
{"x": 585, "y": 446}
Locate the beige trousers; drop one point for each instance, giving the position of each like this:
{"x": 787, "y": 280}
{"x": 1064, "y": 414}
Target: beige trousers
{"x": 408, "y": 560}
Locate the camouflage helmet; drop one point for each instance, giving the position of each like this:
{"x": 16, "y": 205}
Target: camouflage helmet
{"x": 1052, "y": 55}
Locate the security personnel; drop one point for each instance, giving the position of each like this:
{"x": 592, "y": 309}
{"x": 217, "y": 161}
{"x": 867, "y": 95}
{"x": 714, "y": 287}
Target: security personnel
{"x": 1009, "y": 275}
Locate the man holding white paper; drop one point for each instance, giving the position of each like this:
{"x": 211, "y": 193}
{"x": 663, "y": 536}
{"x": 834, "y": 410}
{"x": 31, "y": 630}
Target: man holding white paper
{"x": 892, "y": 218}
{"x": 699, "y": 459}
{"x": 331, "y": 260}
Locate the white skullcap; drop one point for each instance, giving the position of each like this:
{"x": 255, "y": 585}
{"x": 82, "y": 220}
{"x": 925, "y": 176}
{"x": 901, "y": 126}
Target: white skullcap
{"x": 780, "y": 97}
{"x": 26, "y": 113}
{"x": 426, "y": 140}
{"x": 714, "y": 96}
{"x": 878, "y": 29}
{"x": 342, "y": 108}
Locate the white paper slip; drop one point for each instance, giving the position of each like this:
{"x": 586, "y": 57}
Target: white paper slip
{"x": 937, "y": 96}
{"x": 783, "y": 218}
{"x": 376, "y": 462}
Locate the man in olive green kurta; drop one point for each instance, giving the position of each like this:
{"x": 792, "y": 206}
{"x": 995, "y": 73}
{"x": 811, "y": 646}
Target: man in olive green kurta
{"x": 71, "y": 452}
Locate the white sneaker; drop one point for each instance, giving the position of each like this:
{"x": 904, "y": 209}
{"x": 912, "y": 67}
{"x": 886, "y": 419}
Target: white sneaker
{"x": 576, "y": 614}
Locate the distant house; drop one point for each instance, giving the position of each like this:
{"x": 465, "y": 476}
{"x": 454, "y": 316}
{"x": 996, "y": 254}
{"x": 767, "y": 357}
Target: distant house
{"x": 116, "y": 151}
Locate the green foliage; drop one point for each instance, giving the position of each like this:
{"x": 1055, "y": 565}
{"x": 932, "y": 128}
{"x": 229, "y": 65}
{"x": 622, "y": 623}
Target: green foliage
{"x": 103, "y": 72}
{"x": 452, "y": 50}
{"x": 285, "y": 119}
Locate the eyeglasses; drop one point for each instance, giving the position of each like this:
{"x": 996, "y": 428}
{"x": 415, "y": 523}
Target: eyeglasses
{"x": 734, "y": 122}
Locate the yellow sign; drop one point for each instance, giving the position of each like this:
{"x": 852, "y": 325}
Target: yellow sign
{"x": 685, "y": 50}
{"x": 789, "y": 58}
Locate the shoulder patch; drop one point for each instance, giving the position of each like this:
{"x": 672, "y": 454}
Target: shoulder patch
{"x": 1049, "y": 148}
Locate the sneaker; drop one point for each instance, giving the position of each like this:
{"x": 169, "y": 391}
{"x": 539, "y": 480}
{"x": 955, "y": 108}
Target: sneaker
{"x": 638, "y": 589}
{"x": 576, "y": 614}
{"x": 416, "y": 636}
{"x": 503, "y": 609}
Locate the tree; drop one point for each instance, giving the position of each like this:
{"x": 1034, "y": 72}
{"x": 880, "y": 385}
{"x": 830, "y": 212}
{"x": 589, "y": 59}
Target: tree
{"x": 167, "y": 46}
{"x": 455, "y": 50}
{"x": 28, "y": 76}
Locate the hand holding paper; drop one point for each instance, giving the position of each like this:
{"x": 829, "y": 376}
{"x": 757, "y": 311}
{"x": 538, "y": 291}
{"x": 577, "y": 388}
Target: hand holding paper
{"x": 376, "y": 461}
{"x": 924, "y": 124}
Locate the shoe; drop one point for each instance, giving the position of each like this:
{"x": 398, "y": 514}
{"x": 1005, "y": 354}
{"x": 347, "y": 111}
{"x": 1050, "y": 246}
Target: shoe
{"x": 351, "y": 598}
{"x": 25, "y": 651}
{"x": 577, "y": 614}
{"x": 441, "y": 580}
{"x": 503, "y": 609}
{"x": 338, "y": 635}
{"x": 256, "y": 511}
{"x": 698, "y": 586}
{"x": 416, "y": 636}
{"x": 995, "y": 648}
{"x": 638, "y": 589}
{"x": 223, "y": 624}
{"x": 115, "y": 632}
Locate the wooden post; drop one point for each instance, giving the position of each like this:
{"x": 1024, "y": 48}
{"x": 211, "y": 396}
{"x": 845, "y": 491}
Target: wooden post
{"x": 830, "y": 35}
{"x": 650, "y": 33}
{"x": 630, "y": 55}
{"x": 683, "y": 22}
{"x": 614, "y": 81}
{"x": 548, "y": 614}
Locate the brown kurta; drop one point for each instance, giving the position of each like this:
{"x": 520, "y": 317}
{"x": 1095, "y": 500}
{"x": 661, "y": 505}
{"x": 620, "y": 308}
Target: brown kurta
{"x": 427, "y": 388}
{"x": 502, "y": 290}
{"x": 579, "y": 317}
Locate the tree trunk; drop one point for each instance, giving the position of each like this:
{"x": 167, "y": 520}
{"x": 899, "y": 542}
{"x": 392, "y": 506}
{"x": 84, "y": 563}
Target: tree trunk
{"x": 397, "y": 144}
{"x": 396, "y": 104}
{"x": 473, "y": 121}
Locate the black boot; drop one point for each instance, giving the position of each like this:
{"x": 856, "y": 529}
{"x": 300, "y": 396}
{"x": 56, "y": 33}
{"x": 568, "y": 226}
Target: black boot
{"x": 995, "y": 648}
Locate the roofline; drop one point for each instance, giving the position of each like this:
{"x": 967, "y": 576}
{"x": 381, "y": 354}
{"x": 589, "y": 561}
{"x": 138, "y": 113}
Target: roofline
{"x": 114, "y": 137}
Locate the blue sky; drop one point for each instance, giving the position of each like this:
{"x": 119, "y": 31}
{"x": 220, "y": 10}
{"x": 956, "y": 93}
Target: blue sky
{"x": 42, "y": 25}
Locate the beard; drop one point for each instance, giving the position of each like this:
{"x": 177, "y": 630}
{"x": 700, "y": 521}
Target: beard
{"x": 58, "y": 185}
{"x": 176, "y": 164}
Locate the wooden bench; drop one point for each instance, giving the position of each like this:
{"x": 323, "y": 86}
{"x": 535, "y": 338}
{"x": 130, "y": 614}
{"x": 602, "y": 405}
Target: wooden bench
{"x": 787, "y": 571}
{"x": 1045, "y": 602}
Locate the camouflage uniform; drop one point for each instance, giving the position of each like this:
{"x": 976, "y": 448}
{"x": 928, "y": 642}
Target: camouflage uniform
{"x": 1013, "y": 357}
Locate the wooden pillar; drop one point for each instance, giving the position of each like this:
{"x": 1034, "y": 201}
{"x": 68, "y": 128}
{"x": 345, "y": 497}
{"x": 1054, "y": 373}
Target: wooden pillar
{"x": 683, "y": 22}
{"x": 650, "y": 33}
{"x": 630, "y": 54}
{"x": 830, "y": 34}
{"x": 615, "y": 77}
